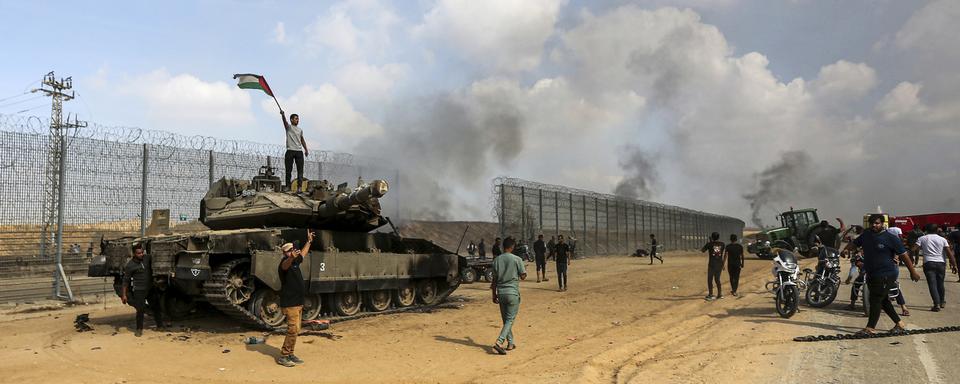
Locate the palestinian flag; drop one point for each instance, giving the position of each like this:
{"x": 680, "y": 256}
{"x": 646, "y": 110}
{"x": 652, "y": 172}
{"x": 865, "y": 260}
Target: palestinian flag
{"x": 250, "y": 81}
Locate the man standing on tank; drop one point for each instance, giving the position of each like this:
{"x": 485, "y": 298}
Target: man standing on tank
{"x": 482, "y": 250}
{"x": 496, "y": 250}
{"x": 540, "y": 258}
{"x": 508, "y": 270}
{"x": 561, "y": 253}
{"x": 296, "y": 148}
{"x": 137, "y": 289}
{"x": 734, "y": 256}
{"x": 292, "y": 291}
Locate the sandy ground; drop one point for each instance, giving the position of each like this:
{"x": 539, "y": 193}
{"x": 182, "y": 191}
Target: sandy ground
{"x": 621, "y": 321}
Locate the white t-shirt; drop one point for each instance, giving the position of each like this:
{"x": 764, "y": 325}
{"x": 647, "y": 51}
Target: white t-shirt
{"x": 896, "y": 231}
{"x": 293, "y": 138}
{"x": 932, "y": 247}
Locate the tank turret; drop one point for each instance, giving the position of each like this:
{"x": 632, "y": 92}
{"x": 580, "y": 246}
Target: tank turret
{"x": 260, "y": 202}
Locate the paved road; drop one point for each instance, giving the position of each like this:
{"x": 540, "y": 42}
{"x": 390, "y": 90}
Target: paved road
{"x": 930, "y": 358}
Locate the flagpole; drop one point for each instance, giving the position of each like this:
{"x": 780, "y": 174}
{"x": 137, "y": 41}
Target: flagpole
{"x": 278, "y": 103}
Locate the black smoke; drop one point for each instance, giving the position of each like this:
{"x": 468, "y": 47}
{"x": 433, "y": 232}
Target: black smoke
{"x": 779, "y": 182}
{"x": 641, "y": 175}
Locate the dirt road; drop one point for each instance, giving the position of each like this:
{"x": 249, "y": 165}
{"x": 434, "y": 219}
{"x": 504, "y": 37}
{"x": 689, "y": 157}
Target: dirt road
{"x": 621, "y": 321}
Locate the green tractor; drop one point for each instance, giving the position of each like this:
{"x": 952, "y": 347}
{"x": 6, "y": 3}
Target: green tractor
{"x": 799, "y": 230}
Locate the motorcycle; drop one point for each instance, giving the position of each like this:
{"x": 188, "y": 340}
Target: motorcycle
{"x": 786, "y": 288}
{"x": 824, "y": 284}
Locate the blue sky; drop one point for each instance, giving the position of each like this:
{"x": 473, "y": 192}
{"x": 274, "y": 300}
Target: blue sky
{"x": 555, "y": 91}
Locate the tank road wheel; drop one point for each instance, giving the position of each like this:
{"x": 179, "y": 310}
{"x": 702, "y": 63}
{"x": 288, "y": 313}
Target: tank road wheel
{"x": 406, "y": 295}
{"x": 311, "y": 307}
{"x": 468, "y": 275}
{"x": 427, "y": 292}
{"x": 239, "y": 286}
{"x": 488, "y": 274}
{"x": 346, "y": 303}
{"x": 265, "y": 305}
{"x": 378, "y": 301}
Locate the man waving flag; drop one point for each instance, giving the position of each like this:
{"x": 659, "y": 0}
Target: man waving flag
{"x": 251, "y": 81}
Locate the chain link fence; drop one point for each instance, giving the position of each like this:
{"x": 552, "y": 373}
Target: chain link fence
{"x": 601, "y": 223}
{"x": 115, "y": 176}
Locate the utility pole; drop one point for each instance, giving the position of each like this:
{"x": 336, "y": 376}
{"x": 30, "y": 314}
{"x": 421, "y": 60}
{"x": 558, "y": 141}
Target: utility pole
{"x": 55, "y": 177}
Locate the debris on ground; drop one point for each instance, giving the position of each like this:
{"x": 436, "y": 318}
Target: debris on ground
{"x": 80, "y": 323}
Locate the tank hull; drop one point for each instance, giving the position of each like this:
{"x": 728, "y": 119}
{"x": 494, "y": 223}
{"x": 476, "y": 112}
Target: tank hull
{"x": 236, "y": 271}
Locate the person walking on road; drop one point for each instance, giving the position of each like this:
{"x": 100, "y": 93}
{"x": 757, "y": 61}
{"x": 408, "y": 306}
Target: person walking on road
{"x": 508, "y": 270}
{"x": 954, "y": 238}
{"x": 881, "y": 249}
{"x": 561, "y": 253}
{"x": 653, "y": 249}
{"x": 296, "y": 148}
{"x": 137, "y": 289}
{"x": 934, "y": 264}
{"x": 496, "y": 250}
{"x": 715, "y": 260}
{"x": 540, "y": 258}
{"x": 292, "y": 292}
{"x": 551, "y": 246}
{"x": 733, "y": 253}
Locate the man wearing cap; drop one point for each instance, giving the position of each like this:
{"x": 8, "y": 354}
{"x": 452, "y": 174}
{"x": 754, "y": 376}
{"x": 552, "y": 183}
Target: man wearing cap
{"x": 292, "y": 291}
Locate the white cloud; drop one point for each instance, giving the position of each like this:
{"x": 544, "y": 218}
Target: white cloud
{"x": 187, "y": 104}
{"x": 280, "y": 33}
{"x": 327, "y": 117}
{"x": 352, "y": 29}
{"x": 499, "y": 35}
{"x": 367, "y": 81}
{"x": 843, "y": 80}
{"x": 903, "y": 104}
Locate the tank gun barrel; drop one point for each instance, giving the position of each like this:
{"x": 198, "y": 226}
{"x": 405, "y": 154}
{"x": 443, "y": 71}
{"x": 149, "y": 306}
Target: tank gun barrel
{"x": 341, "y": 202}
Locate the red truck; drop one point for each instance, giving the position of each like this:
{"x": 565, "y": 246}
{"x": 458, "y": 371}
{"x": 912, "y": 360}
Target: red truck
{"x": 944, "y": 220}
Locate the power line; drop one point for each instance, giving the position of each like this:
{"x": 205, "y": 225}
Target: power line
{"x": 14, "y": 96}
{"x": 20, "y": 101}
{"x": 30, "y": 109}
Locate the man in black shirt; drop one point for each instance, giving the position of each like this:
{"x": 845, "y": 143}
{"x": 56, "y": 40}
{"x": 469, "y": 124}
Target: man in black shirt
{"x": 714, "y": 250}
{"x": 482, "y": 249}
{"x": 496, "y": 248}
{"x": 540, "y": 257}
{"x": 292, "y": 291}
{"x": 653, "y": 249}
{"x": 561, "y": 252}
{"x": 954, "y": 238}
{"x": 137, "y": 289}
{"x": 734, "y": 256}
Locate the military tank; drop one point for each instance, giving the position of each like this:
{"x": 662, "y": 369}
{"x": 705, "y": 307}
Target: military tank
{"x": 233, "y": 265}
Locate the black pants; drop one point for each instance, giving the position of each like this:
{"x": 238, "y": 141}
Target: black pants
{"x": 288, "y": 159}
{"x": 562, "y": 274}
{"x": 541, "y": 263}
{"x": 734, "y": 272}
{"x": 935, "y": 273}
{"x": 880, "y": 299}
{"x": 713, "y": 275}
{"x": 140, "y": 300}
{"x": 653, "y": 255}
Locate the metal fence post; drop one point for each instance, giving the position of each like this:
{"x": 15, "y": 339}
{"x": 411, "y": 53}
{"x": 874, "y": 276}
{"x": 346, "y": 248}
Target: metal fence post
{"x": 584, "y": 201}
{"x": 61, "y": 278}
{"x": 572, "y": 231}
{"x": 143, "y": 192}
{"x": 210, "y": 178}
{"x": 556, "y": 212}
{"x": 540, "y": 208}
{"x": 503, "y": 209}
{"x": 523, "y": 215}
{"x": 606, "y": 213}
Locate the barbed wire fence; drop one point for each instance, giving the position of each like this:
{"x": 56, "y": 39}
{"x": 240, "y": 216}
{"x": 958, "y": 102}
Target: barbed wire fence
{"x": 600, "y": 223}
{"x": 115, "y": 176}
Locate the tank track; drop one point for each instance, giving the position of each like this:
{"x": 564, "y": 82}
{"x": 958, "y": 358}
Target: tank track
{"x": 855, "y": 336}
{"x": 213, "y": 291}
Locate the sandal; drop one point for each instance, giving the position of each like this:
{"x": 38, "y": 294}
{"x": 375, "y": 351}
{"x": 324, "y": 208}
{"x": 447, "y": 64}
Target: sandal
{"x": 897, "y": 330}
{"x": 499, "y": 349}
{"x": 511, "y": 347}
{"x": 865, "y": 332}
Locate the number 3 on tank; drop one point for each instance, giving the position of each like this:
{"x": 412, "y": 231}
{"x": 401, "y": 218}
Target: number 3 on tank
{"x": 323, "y": 267}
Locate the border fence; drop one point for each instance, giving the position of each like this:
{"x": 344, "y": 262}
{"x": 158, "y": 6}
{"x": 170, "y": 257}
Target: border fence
{"x": 601, "y": 223}
{"x": 115, "y": 176}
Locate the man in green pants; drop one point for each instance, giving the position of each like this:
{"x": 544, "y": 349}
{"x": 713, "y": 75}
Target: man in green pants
{"x": 508, "y": 270}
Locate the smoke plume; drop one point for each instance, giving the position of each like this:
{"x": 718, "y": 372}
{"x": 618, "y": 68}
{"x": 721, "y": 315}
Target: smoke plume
{"x": 778, "y": 182}
{"x": 640, "y": 177}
